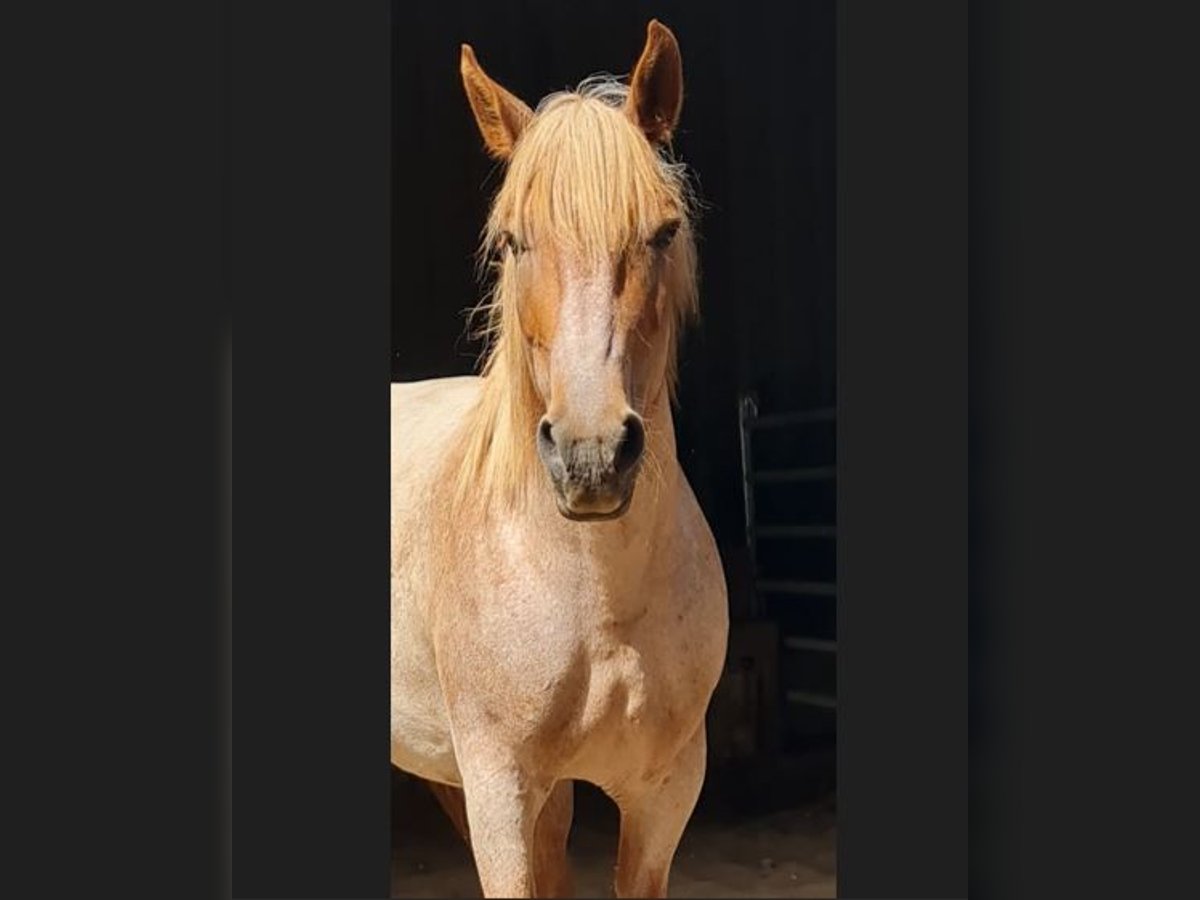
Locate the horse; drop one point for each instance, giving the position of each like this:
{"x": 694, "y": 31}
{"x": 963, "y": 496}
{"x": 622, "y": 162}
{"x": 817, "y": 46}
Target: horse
{"x": 558, "y": 604}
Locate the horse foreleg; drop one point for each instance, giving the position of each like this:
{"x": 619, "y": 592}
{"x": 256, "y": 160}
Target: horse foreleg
{"x": 551, "y": 869}
{"x": 652, "y": 821}
{"x": 503, "y": 803}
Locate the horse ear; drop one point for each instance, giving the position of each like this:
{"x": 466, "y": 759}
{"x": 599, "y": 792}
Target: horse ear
{"x": 501, "y": 117}
{"x": 656, "y": 88}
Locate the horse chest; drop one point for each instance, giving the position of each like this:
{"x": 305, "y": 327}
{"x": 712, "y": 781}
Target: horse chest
{"x": 621, "y": 688}
{"x": 596, "y": 695}
{"x": 599, "y": 679}
{"x": 637, "y": 697}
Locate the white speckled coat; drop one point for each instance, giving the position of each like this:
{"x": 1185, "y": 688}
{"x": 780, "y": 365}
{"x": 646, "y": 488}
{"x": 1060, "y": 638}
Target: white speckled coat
{"x": 544, "y": 650}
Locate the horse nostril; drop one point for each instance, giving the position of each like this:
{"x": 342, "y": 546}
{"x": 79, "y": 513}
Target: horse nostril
{"x": 632, "y": 444}
{"x": 545, "y": 437}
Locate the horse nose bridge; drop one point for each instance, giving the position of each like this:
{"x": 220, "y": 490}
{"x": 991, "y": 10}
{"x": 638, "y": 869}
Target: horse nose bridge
{"x": 590, "y": 409}
{"x": 587, "y": 379}
{"x": 589, "y": 390}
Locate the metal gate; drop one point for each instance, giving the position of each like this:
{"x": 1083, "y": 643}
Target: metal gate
{"x": 789, "y": 487}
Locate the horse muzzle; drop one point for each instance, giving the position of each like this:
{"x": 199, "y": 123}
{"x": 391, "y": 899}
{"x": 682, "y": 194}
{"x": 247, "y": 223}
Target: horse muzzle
{"x": 594, "y": 476}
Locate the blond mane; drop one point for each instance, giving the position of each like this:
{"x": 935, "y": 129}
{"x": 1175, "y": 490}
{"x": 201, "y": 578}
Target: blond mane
{"x": 583, "y": 177}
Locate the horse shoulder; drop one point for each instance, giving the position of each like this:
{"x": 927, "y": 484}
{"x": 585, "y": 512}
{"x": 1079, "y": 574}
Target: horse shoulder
{"x": 426, "y": 416}
{"x": 700, "y": 613}
{"x": 426, "y": 419}
{"x": 698, "y": 570}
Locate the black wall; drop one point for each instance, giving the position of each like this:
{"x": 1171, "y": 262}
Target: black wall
{"x": 758, "y": 129}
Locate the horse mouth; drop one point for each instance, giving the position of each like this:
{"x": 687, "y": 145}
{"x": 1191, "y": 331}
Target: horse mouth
{"x": 591, "y": 510}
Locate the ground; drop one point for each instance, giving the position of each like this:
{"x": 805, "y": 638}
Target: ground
{"x": 785, "y": 853}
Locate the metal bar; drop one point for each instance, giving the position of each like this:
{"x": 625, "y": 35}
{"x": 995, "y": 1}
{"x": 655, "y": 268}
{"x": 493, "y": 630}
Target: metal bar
{"x": 810, "y": 699}
{"x": 796, "y": 531}
{"x": 809, "y": 473}
{"x": 778, "y": 420}
{"x": 817, "y": 645}
{"x": 814, "y": 588}
{"x": 747, "y": 413}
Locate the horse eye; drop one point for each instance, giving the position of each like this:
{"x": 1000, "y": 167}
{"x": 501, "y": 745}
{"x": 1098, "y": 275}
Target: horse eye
{"x": 663, "y": 237}
{"x": 509, "y": 241}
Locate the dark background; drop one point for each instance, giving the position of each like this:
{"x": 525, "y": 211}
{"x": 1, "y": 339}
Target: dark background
{"x": 1078, "y": 158}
